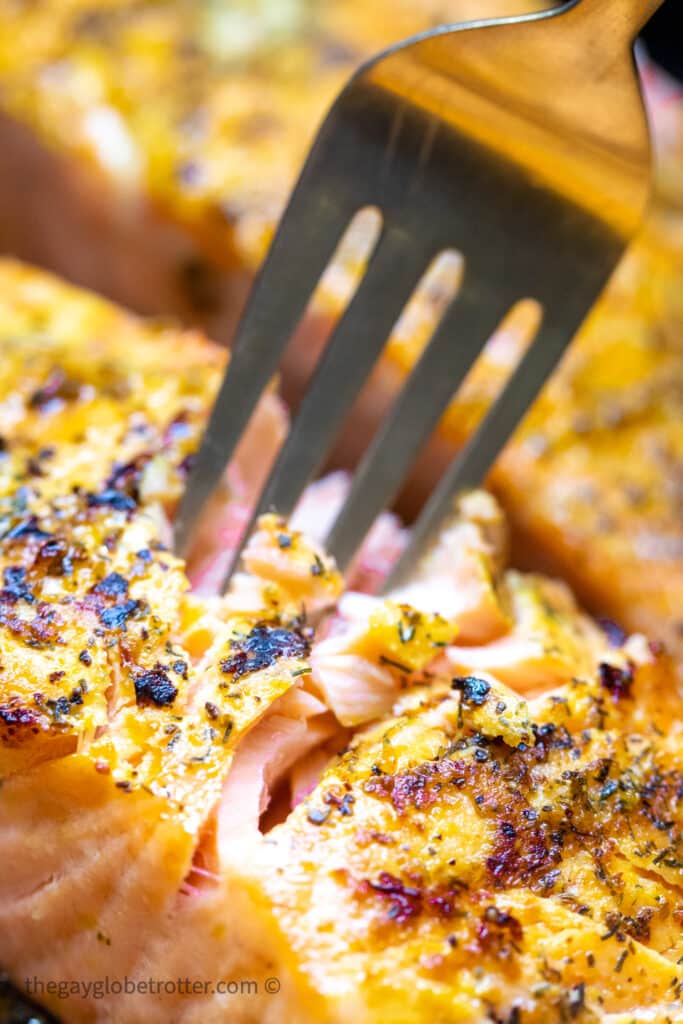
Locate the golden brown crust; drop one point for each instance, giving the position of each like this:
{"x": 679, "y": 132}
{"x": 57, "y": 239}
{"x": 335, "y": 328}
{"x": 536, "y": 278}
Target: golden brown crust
{"x": 92, "y": 397}
{"x": 593, "y": 480}
{"x": 218, "y": 158}
{"x": 465, "y": 859}
{"x": 532, "y": 878}
{"x": 99, "y": 646}
{"x": 601, "y": 454}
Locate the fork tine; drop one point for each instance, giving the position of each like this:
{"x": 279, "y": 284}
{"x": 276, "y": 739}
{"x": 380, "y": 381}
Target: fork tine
{"x": 392, "y": 274}
{"x": 312, "y": 226}
{"x": 469, "y": 468}
{"x": 468, "y": 323}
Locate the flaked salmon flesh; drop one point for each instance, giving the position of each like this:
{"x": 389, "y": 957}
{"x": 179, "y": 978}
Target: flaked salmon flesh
{"x": 460, "y": 802}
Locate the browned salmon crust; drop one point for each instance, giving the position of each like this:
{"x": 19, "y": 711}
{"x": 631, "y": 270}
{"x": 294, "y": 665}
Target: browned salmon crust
{"x": 93, "y": 398}
{"x": 498, "y": 834}
{"x": 169, "y": 207}
{"x": 473, "y": 856}
{"x": 481, "y": 878}
{"x": 105, "y": 670}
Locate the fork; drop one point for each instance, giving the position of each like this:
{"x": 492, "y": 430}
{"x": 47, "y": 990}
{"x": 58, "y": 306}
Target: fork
{"x": 523, "y": 144}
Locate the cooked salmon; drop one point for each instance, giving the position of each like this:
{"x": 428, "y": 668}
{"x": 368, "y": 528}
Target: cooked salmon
{"x": 91, "y": 397}
{"x": 169, "y": 207}
{"x": 111, "y": 690}
{"x": 297, "y": 802}
{"x": 473, "y": 854}
{"x": 480, "y": 857}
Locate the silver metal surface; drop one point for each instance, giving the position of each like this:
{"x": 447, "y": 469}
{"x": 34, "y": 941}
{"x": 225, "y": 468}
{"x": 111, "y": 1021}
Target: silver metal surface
{"x": 522, "y": 144}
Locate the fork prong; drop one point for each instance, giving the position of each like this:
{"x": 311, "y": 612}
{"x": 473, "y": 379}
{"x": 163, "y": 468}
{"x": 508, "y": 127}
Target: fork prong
{"x": 468, "y": 323}
{"x": 469, "y": 468}
{"x": 392, "y": 275}
{"x": 312, "y": 226}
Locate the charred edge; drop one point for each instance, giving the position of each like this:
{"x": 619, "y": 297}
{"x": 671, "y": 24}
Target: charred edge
{"x": 111, "y": 498}
{"x": 617, "y": 681}
{"x": 262, "y": 648}
{"x": 475, "y": 692}
{"x": 17, "y": 723}
{"x": 155, "y": 688}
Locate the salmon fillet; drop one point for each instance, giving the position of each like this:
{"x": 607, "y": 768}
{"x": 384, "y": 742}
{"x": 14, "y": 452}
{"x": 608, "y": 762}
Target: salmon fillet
{"x": 103, "y": 650}
{"x": 169, "y": 208}
{"x": 474, "y": 853}
{"x": 88, "y": 401}
{"x": 298, "y": 803}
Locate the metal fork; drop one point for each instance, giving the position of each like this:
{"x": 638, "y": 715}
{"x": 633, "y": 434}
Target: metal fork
{"x": 523, "y": 144}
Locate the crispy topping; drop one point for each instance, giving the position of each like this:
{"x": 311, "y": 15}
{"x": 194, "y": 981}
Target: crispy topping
{"x": 318, "y": 815}
{"x": 26, "y": 528}
{"x": 13, "y": 715}
{"x": 117, "y": 617}
{"x": 16, "y": 587}
{"x": 617, "y": 681}
{"x": 125, "y": 477}
{"x": 262, "y": 648}
{"x": 475, "y": 692}
{"x": 110, "y": 498}
{"x": 155, "y": 688}
{"x": 113, "y": 585}
{"x": 42, "y": 630}
{"x": 407, "y": 901}
{"x": 416, "y": 788}
{"x": 499, "y": 932}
